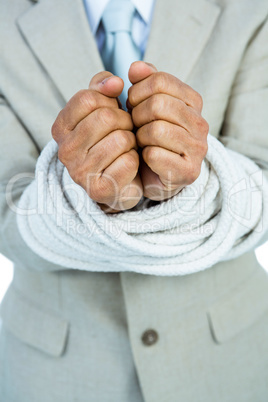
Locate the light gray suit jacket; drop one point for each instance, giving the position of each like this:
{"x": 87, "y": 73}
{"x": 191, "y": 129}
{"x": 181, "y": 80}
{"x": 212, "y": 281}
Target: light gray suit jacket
{"x": 80, "y": 336}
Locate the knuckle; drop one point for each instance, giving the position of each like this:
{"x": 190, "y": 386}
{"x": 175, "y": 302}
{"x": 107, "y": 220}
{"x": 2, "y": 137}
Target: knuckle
{"x": 63, "y": 154}
{"x": 192, "y": 173}
{"x": 79, "y": 173}
{"x": 132, "y": 96}
{"x": 198, "y": 146}
{"x": 155, "y": 106}
{"x": 102, "y": 190}
{"x": 159, "y": 82}
{"x": 131, "y": 161}
{"x": 57, "y": 129}
{"x": 107, "y": 116}
{"x": 97, "y": 191}
{"x": 124, "y": 139}
{"x": 156, "y": 130}
{"x": 150, "y": 154}
{"x": 198, "y": 100}
{"x": 205, "y": 127}
{"x": 202, "y": 126}
{"x": 135, "y": 115}
{"x": 66, "y": 151}
{"x": 87, "y": 99}
{"x": 122, "y": 120}
{"x": 203, "y": 148}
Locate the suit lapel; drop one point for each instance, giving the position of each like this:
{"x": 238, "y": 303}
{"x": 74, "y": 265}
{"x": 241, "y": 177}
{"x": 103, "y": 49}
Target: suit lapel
{"x": 179, "y": 33}
{"x": 59, "y": 35}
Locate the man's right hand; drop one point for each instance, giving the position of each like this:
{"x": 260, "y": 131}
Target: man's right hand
{"x": 97, "y": 145}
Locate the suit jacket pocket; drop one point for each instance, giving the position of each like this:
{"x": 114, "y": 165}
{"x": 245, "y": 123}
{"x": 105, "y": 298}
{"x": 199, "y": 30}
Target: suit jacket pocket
{"x": 239, "y": 309}
{"x": 33, "y": 324}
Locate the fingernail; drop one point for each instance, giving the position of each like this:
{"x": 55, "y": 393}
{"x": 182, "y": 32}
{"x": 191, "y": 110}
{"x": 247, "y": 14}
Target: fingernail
{"x": 150, "y": 65}
{"x": 106, "y": 79}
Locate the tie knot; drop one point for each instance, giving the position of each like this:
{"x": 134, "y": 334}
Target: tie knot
{"x": 118, "y": 16}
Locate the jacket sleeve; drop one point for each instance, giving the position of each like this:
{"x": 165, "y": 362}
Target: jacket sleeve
{"x": 18, "y": 155}
{"x": 245, "y": 127}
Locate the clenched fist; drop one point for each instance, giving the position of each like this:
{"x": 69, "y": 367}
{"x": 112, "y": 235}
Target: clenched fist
{"x": 97, "y": 145}
{"x": 171, "y": 130}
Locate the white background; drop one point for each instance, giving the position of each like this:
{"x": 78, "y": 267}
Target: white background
{"x": 6, "y": 270}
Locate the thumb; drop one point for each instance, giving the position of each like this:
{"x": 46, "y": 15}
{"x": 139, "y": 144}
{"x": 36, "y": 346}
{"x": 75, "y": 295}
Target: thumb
{"x": 107, "y": 84}
{"x": 139, "y": 70}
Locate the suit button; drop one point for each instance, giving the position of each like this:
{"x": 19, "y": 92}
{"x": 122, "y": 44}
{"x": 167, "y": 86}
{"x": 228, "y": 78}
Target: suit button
{"x": 149, "y": 337}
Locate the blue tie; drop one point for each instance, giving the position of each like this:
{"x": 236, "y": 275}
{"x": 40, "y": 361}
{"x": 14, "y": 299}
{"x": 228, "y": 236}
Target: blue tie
{"x": 119, "y": 49}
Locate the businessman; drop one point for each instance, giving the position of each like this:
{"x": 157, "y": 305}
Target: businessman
{"x": 70, "y": 334}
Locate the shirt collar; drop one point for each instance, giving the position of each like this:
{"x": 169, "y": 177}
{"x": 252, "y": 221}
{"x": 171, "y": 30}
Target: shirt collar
{"x": 144, "y": 8}
{"x": 95, "y": 10}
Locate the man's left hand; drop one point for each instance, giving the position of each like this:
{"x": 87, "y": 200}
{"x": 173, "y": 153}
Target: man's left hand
{"x": 170, "y": 129}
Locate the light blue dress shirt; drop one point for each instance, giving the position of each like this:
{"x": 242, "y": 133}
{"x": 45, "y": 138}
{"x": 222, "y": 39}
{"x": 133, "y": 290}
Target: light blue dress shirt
{"x": 141, "y": 24}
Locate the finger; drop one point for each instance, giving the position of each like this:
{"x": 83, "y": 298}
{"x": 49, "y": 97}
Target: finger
{"x": 127, "y": 196}
{"x": 113, "y": 180}
{"x": 153, "y": 188}
{"x": 93, "y": 129}
{"x": 106, "y": 151}
{"x": 139, "y": 70}
{"x": 164, "y": 83}
{"x": 123, "y": 169}
{"x": 107, "y": 84}
{"x": 78, "y": 108}
{"x": 166, "y": 135}
{"x": 173, "y": 170}
{"x": 86, "y": 101}
{"x": 164, "y": 107}
{"x": 100, "y": 123}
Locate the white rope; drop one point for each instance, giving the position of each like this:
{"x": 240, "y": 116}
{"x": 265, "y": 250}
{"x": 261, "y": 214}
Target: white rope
{"x": 223, "y": 214}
